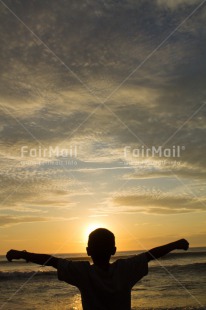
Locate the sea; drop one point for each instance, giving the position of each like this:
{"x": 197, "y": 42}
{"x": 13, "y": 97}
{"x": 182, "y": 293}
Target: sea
{"x": 176, "y": 281}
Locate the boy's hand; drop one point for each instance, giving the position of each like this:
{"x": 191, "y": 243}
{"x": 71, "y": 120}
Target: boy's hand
{"x": 13, "y": 254}
{"x": 182, "y": 244}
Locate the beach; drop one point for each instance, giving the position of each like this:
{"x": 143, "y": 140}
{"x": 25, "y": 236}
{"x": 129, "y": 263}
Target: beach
{"x": 175, "y": 282}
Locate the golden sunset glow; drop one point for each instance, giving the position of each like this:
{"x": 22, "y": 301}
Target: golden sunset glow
{"x": 90, "y": 227}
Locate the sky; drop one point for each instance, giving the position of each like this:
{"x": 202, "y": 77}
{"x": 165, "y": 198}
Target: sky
{"x": 102, "y": 123}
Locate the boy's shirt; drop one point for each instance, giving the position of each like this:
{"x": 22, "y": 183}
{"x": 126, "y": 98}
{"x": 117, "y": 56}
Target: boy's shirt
{"x": 104, "y": 290}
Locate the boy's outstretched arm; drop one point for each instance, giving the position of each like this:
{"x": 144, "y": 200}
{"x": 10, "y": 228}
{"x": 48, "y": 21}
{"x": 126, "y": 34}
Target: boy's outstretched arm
{"x": 41, "y": 259}
{"x": 160, "y": 251}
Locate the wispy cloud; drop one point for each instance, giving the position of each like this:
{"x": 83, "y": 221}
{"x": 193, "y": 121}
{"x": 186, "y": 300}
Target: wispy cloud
{"x": 8, "y": 220}
{"x": 159, "y": 205}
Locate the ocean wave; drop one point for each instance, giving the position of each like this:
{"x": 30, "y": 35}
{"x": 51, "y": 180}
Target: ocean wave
{"x": 185, "y": 255}
{"x": 17, "y": 275}
{"x": 12, "y": 275}
{"x": 178, "y": 267}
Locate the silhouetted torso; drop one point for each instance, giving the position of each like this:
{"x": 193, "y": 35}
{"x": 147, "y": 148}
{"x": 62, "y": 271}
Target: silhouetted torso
{"x": 107, "y": 286}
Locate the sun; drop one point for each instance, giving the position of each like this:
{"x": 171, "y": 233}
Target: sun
{"x": 90, "y": 227}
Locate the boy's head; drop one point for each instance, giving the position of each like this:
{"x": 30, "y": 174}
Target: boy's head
{"x": 101, "y": 244}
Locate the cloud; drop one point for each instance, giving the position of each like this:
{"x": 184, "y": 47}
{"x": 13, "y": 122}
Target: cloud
{"x": 177, "y": 3}
{"x": 153, "y": 169}
{"x": 8, "y": 220}
{"x": 158, "y": 203}
{"x": 45, "y": 104}
{"x": 36, "y": 191}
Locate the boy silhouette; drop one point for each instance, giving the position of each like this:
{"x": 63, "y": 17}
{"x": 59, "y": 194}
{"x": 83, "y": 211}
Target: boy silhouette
{"x": 103, "y": 286}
